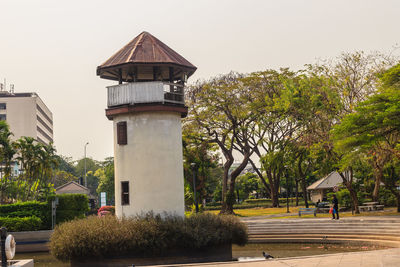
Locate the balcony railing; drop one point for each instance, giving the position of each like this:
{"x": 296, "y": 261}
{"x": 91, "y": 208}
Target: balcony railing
{"x": 145, "y": 92}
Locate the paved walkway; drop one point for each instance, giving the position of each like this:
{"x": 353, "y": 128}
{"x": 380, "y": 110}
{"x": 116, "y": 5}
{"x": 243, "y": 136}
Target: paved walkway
{"x": 377, "y": 258}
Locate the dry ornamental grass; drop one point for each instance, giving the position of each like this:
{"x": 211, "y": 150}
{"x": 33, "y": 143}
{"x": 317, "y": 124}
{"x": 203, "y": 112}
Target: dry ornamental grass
{"x": 149, "y": 235}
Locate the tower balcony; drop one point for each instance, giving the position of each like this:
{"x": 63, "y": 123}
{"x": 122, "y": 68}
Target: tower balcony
{"x": 145, "y": 92}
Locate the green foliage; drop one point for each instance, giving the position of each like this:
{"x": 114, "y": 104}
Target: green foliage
{"x": 246, "y": 184}
{"x": 387, "y": 198}
{"x": 193, "y": 211}
{"x": 105, "y": 176}
{"x": 63, "y": 177}
{"x": 108, "y": 236}
{"x": 71, "y": 206}
{"x": 18, "y": 224}
{"x": 344, "y": 198}
{"x": 35, "y": 209}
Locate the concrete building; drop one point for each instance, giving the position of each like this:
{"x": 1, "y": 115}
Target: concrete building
{"x": 27, "y": 115}
{"x": 146, "y": 108}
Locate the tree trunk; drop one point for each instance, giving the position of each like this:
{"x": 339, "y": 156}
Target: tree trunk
{"x": 274, "y": 198}
{"x": 378, "y": 180}
{"x": 348, "y": 182}
{"x": 398, "y": 202}
{"x": 354, "y": 199}
{"x": 264, "y": 182}
{"x": 303, "y": 180}
{"x": 227, "y": 166}
{"x": 227, "y": 208}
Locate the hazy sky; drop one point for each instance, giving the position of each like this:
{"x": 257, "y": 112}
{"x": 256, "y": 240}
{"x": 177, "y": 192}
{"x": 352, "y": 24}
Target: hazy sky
{"x": 53, "y": 47}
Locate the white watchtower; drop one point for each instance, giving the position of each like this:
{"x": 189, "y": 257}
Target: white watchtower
{"x": 146, "y": 108}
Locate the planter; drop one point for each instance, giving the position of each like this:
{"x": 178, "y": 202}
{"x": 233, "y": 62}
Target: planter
{"x": 173, "y": 256}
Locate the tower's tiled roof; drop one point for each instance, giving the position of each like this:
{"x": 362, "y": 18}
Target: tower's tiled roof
{"x": 146, "y": 49}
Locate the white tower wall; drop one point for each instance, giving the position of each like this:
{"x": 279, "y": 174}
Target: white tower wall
{"x": 152, "y": 162}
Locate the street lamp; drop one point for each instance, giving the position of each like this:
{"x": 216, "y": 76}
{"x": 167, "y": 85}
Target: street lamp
{"x": 194, "y": 186}
{"x": 85, "y": 164}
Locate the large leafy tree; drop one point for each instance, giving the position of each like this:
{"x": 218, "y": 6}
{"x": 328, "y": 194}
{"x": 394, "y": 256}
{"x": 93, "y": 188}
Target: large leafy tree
{"x": 375, "y": 128}
{"x": 219, "y": 108}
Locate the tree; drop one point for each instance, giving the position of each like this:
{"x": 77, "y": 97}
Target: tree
{"x": 219, "y": 108}
{"x": 199, "y": 150}
{"x": 63, "y": 177}
{"x": 105, "y": 175}
{"x": 7, "y": 153}
{"x": 245, "y": 185}
{"x": 37, "y": 162}
{"x": 66, "y": 164}
{"x": 91, "y": 167}
{"x": 375, "y": 128}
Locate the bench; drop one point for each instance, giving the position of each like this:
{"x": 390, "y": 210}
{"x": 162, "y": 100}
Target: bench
{"x": 363, "y": 208}
{"x": 307, "y": 211}
{"x": 370, "y": 207}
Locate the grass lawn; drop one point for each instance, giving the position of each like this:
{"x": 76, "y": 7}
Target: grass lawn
{"x": 294, "y": 211}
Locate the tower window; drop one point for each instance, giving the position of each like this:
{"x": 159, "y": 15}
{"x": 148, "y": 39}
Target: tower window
{"x": 3, "y": 106}
{"x": 122, "y": 138}
{"x": 3, "y": 117}
{"x": 124, "y": 193}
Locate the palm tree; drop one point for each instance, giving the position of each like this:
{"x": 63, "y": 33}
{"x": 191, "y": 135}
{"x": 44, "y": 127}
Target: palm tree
{"x": 7, "y": 153}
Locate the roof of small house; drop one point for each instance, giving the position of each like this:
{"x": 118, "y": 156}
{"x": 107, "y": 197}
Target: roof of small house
{"x": 327, "y": 182}
{"x": 72, "y": 187}
{"x": 144, "y": 49}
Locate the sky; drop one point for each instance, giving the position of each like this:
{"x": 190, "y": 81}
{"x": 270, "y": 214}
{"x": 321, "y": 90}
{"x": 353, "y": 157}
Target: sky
{"x": 53, "y": 47}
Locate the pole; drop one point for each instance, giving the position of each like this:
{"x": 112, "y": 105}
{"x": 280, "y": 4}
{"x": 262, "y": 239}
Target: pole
{"x": 287, "y": 192}
{"x": 3, "y": 247}
{"x": 85, "y": 164}
{"x": 194, "y": 187}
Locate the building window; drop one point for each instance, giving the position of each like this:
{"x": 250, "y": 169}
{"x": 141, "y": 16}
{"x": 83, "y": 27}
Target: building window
{"x": 3, "y": 106}
{"x": 122, "y": 138}
{"x": 3, "y": 117}
{"x": 124, "y": 193}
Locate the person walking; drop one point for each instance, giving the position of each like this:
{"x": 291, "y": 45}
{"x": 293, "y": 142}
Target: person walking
{"x": 335, "y": 203}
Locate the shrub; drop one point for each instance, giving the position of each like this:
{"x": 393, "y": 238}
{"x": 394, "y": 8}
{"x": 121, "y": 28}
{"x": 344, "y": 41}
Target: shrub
{"x": 148, "y": 235}
{"x": 40, "y": 210}
{"x": 18, "y": 224}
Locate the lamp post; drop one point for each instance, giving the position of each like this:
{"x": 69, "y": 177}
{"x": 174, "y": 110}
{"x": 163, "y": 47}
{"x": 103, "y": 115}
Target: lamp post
{"x": 85, "y": 164}
{"x": 194, "y": 186}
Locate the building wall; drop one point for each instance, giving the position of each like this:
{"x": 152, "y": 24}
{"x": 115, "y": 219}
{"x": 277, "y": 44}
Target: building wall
{"x": 152, "y": 162}
{"x": 316, "y": 195}
{"x": 24, "y": 117}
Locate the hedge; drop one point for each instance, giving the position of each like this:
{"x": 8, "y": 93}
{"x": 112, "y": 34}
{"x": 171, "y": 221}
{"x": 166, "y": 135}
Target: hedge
{"x": 108, "y": 236}
{"x": 70, "y": 206}
{"x": 40, "y": 210}
{"x": 18, "y": 224}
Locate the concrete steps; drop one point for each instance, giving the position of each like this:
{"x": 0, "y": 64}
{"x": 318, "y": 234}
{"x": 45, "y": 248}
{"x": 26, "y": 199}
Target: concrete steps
{"x": 379, "y": 230}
